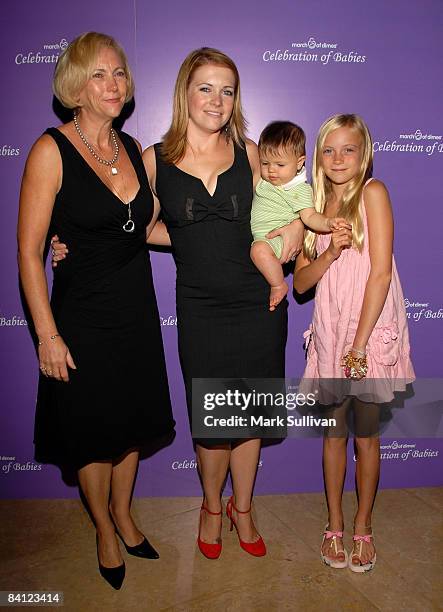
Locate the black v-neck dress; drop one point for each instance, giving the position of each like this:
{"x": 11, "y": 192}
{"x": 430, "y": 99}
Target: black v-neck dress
{"x": 105, "y": 309}
{"x": 225, "y": 328}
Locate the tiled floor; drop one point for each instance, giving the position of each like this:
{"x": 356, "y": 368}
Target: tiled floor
{"x": 50, "y": 545}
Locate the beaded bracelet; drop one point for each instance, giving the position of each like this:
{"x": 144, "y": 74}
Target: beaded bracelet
{"x": 354, "y": 367}
{"x": 40, "y": 342}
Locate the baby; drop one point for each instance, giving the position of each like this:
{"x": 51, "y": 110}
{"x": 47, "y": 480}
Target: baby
{"x": 280, "y": 197}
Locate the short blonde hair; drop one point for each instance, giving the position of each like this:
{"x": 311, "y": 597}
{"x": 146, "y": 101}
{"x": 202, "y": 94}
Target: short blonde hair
{"x": 75, "y": 64}
{"x": 174, "y": 141}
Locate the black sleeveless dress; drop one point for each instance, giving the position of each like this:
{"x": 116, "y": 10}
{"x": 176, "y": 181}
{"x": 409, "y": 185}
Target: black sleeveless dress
{"x": 105, "y": 309}
{"x": 225, "y": 328}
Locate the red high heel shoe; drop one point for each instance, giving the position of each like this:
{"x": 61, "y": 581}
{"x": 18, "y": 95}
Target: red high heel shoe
{"x": 210, "y": 551}
{"x": 258, "y": 548}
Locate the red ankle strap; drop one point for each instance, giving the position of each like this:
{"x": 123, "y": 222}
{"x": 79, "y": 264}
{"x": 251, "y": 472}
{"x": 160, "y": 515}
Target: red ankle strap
{"x": 209, "y": 512}
{"x": 231, "y": 501}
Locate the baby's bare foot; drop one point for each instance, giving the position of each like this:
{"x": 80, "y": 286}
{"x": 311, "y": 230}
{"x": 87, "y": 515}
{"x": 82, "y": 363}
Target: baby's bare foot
{"x": 277, "y": 294}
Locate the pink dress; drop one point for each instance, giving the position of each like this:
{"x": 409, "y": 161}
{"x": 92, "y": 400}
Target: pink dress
{"x": 338, "y": 302}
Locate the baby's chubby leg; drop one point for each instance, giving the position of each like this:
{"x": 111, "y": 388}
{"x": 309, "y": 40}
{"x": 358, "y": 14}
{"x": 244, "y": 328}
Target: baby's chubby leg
{"x": 265, "y": 260}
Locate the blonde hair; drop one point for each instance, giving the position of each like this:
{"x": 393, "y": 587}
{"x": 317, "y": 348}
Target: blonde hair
{"x": 174, "y": 141}
{"x": 349, "y": 207}
{"x": 76, "y": 63}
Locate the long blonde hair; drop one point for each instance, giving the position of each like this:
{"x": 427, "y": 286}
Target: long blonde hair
{"x": 174, "y": 141}
{"x": 349, "y": 207}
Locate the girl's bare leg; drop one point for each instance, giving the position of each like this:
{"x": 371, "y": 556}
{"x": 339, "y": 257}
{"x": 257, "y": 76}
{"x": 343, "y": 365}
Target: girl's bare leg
{"x": 367, "y": 470}
{"x": 334, "y": 471}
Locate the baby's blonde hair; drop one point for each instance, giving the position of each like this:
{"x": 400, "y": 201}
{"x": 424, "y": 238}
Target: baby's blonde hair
{"x": 349, "y": 207}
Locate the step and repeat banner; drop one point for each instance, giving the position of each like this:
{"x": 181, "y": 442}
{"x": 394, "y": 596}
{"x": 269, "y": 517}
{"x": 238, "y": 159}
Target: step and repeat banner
{"x": 299, "y": 60}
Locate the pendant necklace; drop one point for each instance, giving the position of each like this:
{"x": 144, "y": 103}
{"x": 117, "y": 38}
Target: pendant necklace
{"x": 129, "y": 225}
{"x": 110, "y": 163}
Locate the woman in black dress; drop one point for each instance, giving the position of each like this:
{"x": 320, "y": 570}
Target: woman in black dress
{"x": 202, "y": 176}
{"x": 103, "y": 389}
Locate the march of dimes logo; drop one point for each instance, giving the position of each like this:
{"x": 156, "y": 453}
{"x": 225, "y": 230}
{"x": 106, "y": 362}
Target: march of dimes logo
{"x": 421, "y": 142}
{"x": 406, "y": 451}
{"x": 313, "y": 51}
{"x": 48, "y": 54}
{"x": 10, "y": 465}
{"x": 421, "y": 311}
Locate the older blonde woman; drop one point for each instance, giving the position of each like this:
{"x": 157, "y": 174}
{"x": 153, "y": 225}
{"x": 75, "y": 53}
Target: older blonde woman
{"x": 103, "y": 389}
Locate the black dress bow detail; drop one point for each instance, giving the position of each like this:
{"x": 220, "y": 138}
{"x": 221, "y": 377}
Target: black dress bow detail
{"x": 197, "y": 211}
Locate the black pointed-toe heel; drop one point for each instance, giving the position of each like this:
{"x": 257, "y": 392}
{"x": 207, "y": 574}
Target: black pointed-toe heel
{"x": 113, "y": 575}
{"x": 143, "y": 550}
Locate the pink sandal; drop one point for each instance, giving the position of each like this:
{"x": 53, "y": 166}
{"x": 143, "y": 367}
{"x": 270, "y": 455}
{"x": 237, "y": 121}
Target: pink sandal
{"x": 333, "y": 535}
{"x": 360, "y": 568}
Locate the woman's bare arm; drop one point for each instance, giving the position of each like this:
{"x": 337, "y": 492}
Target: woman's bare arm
{"x": 156, "y": 232}
{"x": 40, "y": 184}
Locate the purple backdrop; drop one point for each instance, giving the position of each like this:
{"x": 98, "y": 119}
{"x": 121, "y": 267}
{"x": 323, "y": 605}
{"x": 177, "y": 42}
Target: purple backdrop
{"x": 381, "y": 60}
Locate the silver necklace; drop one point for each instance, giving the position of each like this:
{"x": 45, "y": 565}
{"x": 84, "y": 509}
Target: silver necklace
{"x": 106, "y": 162}
{"x": 129, "y": 225}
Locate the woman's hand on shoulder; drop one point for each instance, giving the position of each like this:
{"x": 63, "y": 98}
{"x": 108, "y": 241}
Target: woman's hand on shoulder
{"x": 254, "y": 160}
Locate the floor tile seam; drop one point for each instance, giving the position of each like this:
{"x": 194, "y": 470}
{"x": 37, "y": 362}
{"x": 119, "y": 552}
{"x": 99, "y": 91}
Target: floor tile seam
{"x": 175, "y": 514}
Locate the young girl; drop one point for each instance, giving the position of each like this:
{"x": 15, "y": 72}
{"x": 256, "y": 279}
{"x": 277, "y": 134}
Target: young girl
{"x": 282, "y": 196}
{"x": 359, "y": 332}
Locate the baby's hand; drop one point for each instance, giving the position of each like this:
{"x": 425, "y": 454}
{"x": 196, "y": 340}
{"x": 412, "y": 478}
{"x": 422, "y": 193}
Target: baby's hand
{"x": 337, "y": 223}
